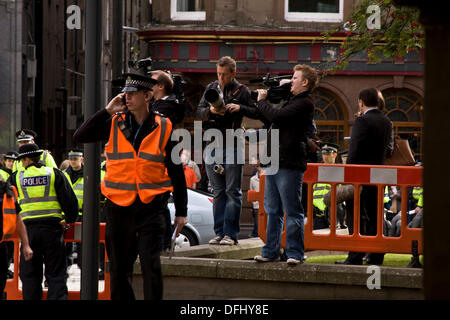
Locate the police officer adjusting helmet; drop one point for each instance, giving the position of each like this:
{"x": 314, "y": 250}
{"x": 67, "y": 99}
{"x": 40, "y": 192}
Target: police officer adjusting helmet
{"x": 135, "y": 82}
{"x": 330, "y": 147}
{"x": 25, "y": 136}
{"x": 29, "y": 151}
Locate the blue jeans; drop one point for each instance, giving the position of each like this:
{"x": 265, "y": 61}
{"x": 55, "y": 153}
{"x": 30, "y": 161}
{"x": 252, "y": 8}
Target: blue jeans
{"x": 227, "y": 201}
{"x": 283, "y": 192}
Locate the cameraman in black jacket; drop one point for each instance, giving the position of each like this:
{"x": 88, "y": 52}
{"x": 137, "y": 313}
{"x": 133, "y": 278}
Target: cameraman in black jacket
{"x": 283, "y": 187}
{"x": 237, "y": 103}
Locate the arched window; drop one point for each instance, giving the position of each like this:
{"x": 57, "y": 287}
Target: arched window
{"x": 330, "y": 116}
{"x": 405, "y": 108}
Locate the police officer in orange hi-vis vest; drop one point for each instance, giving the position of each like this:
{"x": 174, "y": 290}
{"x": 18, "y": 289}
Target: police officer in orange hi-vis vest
{"x": 140, "y": 175}
{"x": 10, "y": 223}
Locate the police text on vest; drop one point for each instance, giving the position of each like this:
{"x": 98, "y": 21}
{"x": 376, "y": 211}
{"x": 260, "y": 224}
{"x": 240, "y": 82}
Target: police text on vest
{"x": 35, "y": 181}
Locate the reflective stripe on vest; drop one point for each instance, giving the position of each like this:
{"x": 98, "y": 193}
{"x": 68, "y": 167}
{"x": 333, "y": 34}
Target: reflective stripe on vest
{"x": 144, "y": 173}
{"x": 3, "y": 175}
{"x": 418, "y": 195}
{"x": 37, "y": 194}
{"x": 77, "y": 187}
{"x": 9, "y": 215}
{"x": 319, "y": 192}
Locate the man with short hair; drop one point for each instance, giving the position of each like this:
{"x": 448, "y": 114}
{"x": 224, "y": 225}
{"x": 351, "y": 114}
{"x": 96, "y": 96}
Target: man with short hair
{"x": 140, "y": 175}
{"x": 44, "y": 194}
{"x": 369, "y": 144}
{"x": 283, "y": 189}
{"x": 227, "y": 203}
{"x": 164, "y": 101}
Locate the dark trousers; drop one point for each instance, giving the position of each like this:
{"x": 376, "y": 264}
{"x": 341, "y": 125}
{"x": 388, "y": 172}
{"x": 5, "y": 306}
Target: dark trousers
{"x": 368, "y": 222}
{"x": 3, "y": 267}
{"x": 47, "y": 243}
{"x": 131, "y": 231}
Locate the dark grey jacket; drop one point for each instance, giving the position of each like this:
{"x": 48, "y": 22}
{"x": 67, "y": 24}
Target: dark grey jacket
{"x": 229, "y": 120}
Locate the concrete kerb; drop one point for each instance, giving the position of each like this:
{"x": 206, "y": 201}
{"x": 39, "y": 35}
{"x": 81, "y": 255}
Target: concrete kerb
{"x": 281, "y": 272}
{"x": 227, "y": 272}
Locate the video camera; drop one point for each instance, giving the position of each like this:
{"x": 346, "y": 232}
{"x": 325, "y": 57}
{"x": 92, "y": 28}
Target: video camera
{"x": 276, "y": 92}
{"x": 145, "y": 65}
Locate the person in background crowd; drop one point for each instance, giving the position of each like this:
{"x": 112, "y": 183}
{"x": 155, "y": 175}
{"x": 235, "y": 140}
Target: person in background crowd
{"x": 254, "y": 185}
{"x": 369, "y": 144}
{"x": 191, "y": 178}
{"x": 6, "y": 170}
{"x": 26, "y": 136}
{"x": 74, "y": 174}
{"x": 321, "y": 212}
{"x": 165, "y": 103}
{"x": 186, "y": 159}
{"x": 10, "y": 222}
{"x": 44, "y": 194}
{"x": 283, "y": 189}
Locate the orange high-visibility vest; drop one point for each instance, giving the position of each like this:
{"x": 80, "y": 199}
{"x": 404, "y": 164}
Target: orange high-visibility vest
{"x": 9, "y": 215}
{"x": 144, "y": 173}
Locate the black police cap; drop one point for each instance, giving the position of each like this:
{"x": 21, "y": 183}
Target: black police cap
{"x": 135, "y": 82}
{"x": 25, "y": 135}
{"x": 75, "y": 153}
{"x": 10, "y": 155}
{"x": 330, "y": 147}
{"x": 29, "y": 150}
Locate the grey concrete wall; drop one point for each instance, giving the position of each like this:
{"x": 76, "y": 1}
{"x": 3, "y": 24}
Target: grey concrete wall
{"x": 10, "y": 71}
{"x": 221, "y": 272}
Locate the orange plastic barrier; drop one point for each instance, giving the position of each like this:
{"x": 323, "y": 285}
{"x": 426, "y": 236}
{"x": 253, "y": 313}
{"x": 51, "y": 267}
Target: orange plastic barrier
{"x": 358, "y": 175}
{"x": 73, "y": 234}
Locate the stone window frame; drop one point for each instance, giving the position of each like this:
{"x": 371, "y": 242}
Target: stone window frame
{"x": 185, "y": 15}
{"x": 314, "y": 17}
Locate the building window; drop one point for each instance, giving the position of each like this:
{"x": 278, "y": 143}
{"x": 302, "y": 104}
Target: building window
{"x": 188, "y": 10}
{"x": 330, "y": 117}
{"x": 405, "y": 109}
{"x": 313, "y": 10}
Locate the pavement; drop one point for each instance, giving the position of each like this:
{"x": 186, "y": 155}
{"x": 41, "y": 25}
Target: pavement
{"x": 74, "y": 280}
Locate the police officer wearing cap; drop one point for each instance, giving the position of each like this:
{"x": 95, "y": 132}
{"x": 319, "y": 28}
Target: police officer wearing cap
{"x": 26, "y": 136}
{"x": 320, "y": 209}
{"x": 44, "y": 193}
{"x": 9, "y": 159}
{"x": 140, "y": 175}
{"x": 74, "y": 174}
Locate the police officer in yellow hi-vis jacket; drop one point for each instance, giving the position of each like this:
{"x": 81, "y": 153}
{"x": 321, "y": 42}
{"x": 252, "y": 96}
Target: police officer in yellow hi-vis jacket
{"x": 44, "y": 193}
{"x": 321, "y": 219}
{"x": 26, "y": 136}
